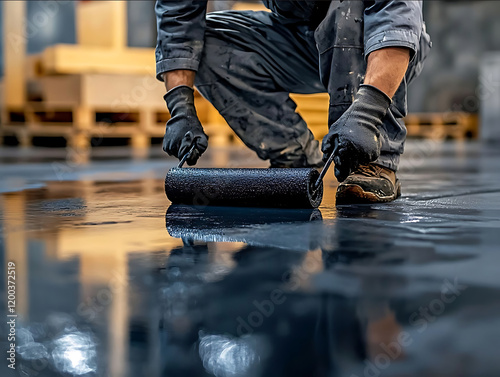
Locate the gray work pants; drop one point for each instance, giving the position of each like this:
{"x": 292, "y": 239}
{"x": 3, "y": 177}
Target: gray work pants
{"x": 252, "y": 61}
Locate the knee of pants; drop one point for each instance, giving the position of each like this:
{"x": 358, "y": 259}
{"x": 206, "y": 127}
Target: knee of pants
{"x": 215, "y": 74}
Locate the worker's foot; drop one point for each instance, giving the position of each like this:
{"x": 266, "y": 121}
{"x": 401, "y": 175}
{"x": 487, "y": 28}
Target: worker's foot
{"x": 369, "y": 184}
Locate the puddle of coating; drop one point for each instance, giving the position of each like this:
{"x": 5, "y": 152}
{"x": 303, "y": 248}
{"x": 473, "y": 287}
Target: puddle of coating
{"x": 113, "y": 281}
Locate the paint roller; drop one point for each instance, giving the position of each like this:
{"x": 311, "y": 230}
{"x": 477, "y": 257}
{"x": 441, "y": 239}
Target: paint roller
{"x": 245, "y": 187}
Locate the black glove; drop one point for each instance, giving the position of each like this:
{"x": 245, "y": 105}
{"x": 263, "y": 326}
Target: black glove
{"x": 354, "y": 139}
{"x": 183, "y": 128}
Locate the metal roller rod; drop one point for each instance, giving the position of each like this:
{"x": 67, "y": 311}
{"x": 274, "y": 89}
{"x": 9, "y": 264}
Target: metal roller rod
{"x": 326, "y": 167}
{"x": 323, "y": 172}
{"x": 183, "y": 160}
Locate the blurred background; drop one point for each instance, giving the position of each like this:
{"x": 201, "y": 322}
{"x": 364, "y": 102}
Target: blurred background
{"x": 79, "y": 74}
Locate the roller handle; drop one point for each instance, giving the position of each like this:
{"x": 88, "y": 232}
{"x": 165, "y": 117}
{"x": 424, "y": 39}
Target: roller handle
{"x": 325, "y": 168}
{"x": 185, "y": 157}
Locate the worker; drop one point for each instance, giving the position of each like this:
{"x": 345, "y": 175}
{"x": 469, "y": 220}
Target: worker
{"x": 246, "y": 63}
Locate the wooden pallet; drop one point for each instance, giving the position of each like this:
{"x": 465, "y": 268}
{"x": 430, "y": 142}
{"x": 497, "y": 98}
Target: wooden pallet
{"x": 79, "y": 125}
{"x": 452, "y": 125}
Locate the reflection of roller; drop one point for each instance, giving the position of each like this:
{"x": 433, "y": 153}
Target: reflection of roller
{"x": 278, "y": 188}
{"x": 249, "y": 225}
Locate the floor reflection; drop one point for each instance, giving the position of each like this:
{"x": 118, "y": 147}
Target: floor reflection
{"x": 330, "y": 311}
{"x": 112, "y": 281}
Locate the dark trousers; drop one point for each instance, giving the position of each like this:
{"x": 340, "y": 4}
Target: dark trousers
{"x": 252, "y": 61}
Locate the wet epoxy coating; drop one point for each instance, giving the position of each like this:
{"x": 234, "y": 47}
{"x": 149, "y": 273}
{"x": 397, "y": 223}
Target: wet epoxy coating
{"x": 112, "y": 281}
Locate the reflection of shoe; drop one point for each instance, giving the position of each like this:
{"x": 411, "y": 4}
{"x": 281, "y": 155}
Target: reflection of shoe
{"x": 369, "y": 184}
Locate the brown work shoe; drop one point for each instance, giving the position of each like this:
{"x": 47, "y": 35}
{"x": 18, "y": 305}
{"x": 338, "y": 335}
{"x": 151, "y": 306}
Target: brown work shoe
{"x": 369, "y": 184}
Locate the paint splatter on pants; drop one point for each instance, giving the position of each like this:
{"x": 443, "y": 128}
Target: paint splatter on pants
{"x": 250, "y": 64}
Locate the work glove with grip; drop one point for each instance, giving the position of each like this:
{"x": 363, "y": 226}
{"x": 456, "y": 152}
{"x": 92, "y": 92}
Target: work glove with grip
{"x": 354, "y": 139}
{"x": 183, "y": 128}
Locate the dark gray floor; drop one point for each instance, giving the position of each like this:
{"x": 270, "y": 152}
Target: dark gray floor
{"x": 111, "y": 281}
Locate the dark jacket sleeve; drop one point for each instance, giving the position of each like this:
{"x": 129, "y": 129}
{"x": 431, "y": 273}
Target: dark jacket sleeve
{"x": 393, "y": 24}
{"x": 181, "y": 31}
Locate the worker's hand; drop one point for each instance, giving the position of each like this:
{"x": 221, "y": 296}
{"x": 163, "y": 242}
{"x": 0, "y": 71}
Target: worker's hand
{"x": 183, "y": 128}
{"x": 355, "y": 139}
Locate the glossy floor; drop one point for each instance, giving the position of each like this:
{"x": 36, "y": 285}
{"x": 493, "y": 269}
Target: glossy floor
{"x": 112, "y": 281}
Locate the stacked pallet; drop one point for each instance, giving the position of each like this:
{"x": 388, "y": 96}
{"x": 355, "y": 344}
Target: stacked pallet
{"x": 96, "y": 89}
{"x": 86, "y": 108}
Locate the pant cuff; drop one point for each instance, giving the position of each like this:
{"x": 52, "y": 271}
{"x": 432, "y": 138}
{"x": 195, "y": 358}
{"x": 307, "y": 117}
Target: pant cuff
{"x": 390, "y": 161}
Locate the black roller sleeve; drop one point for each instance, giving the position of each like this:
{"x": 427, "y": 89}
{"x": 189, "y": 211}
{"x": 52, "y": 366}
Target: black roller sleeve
{"x": 272, "y": 188}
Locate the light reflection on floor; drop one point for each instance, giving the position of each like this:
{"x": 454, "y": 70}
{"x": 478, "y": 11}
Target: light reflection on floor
{"x": 113, "y": 282}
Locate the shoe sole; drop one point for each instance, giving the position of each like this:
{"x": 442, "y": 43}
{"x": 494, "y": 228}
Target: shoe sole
{"x": 354, "y": 194}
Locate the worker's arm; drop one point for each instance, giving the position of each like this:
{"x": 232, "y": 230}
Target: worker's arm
{"x": 178, "y": 77}
{"x": 396, "y": 23}
{"x": 355, "y": 138}
{"x": 386, "y": 69}
{"x": 392, "y": 31}
{"x": 181, "y": 31}
{"x": 181, "y": 35}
